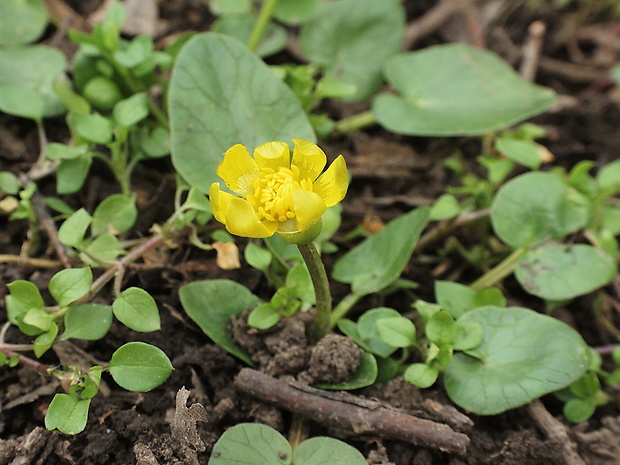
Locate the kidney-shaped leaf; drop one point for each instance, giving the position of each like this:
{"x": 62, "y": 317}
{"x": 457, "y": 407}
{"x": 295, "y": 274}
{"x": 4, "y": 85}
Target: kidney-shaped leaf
{"x": 381, "y": 258}
{"x": 21, "y": 21}
{"x": 353, "y": 39}
{"x": 211, "y": 304}
{"x": 327, "y": 451}
{"x": 523, "y": 355}
{"x": 251, "y": 444}
{"x": 559, "y": 271}
{"x": 26, "y": 78}
{"x": 222, "y": 94}
{"x": 456, "y": 89}
{"x": 535, "y": 207}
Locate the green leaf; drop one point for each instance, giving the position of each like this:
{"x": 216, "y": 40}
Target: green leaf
{"x": 535, "y": 207}
{"x": 441, "y": 328}
{"x": 132, "y": 110}
{"x": 578, "y": 410}
{"x": 39, "y": 318}
{"x": 138, "y": 51}
{"x": 453, "y": 297}
{"x": 9, "y": 183}
{"x": 365, "y": 375}
{"x": 559, "y": 272}
{"x": 352, "y": 40}
{"x": 241, "y": 26}
{"x": 445, "y": 207}
{"x": 421, "y": 375}
{"x": 468, "y": 335}
{"x": 26, "y": 78}
{"x": 230, "y": 7}
{"x": 57, "y": 151}
{"x": 368, "y": 330}
{"x": 517, "y": 361}
{"x": 44, "y": 341}
{"x": 222, "y": 94}
{"x": 102, "y": 249}
{"x": 115, "y": 215}
{"x": 456, "y": 89}
{"x": 397, "y": 331}
{"x": 154, "y": 143}
{"x": 67, "y": 414}
{"x": 293, "y": 12}
{"x": 257, "y": 257}
{"x": 211, "y": 304}
{"x": 608, "y": 178}
{"x": 21, "y": 21}
{"x": 74, "y": 102}
{"x": 380, "y": 259}
{"x": 92, "y": 127}
{"x": 23, "y": 296}
{"x": 137, "y": 366}
{"x": 137, "y": 310}
{"x": 87, "y": 321}
{"x": 524, "y": 152}
{"x": 264, "y": 316}
{"x": 71, "y": 232}
{"x": 251, "y": 444}
{"x": 69, "y": 285}
{"x": 71, "y": 174}
{"x": 327, "y": 451}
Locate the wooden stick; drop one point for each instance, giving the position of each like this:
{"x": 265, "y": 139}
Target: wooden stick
{"x": 350, "y": 415}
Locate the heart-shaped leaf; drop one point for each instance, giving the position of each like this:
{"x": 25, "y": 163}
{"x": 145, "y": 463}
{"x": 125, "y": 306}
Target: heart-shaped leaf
{"x": 523, "y": 355}
{"x": 535, "y": 207}
{"x": 222, "y": 94}
{"x": 27, "y": 75}
{"x": 353, "y": 39}
{"x": 559, "y": 271}
{"x": 456, "y": 89}
{"x": 251, "y": 444}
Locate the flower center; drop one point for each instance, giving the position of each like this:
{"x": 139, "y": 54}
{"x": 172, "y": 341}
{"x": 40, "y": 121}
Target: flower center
{"x": 273, "y": 192}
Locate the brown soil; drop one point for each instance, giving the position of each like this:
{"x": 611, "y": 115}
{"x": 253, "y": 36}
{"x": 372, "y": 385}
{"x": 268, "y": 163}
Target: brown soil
{"x": 179, "y": 422}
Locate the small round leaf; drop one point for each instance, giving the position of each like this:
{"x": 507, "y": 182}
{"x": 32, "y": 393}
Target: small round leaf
{"x": 137, "y": 366}
{"x": 137, "y": 310}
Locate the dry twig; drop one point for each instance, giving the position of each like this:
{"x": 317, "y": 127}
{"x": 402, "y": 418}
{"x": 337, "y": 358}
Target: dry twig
{"x": 351, "y": 415}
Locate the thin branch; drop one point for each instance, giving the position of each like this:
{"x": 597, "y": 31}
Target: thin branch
{"x": 349, "y": 415}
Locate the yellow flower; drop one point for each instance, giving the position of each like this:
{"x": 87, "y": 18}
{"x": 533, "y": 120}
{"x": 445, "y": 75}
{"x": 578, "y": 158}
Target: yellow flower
{"x": 277, "y": 192}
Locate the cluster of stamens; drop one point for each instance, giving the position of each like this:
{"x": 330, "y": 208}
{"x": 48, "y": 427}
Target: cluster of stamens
{"x": 273, "y": 192}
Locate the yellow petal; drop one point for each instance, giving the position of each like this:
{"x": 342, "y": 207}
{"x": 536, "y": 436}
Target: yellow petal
{"x": 273, "y": 155}
{"x": 241, "y": 220}
{"x": 238, "y": 170}
{"x": 308, "y": 208}
{"x": 219, "y": 202}
{"x": 332, "y": 185}
{"x": 309, "y": 158}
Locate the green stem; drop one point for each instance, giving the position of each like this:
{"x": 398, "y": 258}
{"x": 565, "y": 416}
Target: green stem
{"x": 500, "y": 271}
{"x": 343, "y": 308}
{"x": 355, "y": 122}
{"x": 321, "y": 289}
{"x": 261, "y": 23}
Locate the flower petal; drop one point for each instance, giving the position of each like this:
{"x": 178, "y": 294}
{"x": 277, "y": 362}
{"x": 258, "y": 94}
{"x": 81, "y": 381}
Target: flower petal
{"x": 273, "y": 155}
{"x": 219, "y": 202}
{"x": 332, "y": 185}
{"x": 238, "y": 170}
{"x": 308, "y": 208}
{"x": 241, "y": 220}
{"x": 309, "y": 158}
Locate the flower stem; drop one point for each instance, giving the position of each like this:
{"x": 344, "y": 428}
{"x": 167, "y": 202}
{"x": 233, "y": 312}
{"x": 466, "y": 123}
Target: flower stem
{"x": 321, "y": 289}
{"x": 500, "y": 271}
{"x": 343, "y": 308}
{"x": 261, "y": 23}
{"x": 355, "y": 122}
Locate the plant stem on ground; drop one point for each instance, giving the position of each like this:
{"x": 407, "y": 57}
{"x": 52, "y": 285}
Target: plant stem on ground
{"x": 321, "y": 289}
{"x": 261, "y": 23}
{"x": 355, "y": 122}
{"x": 500, "y": 271}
